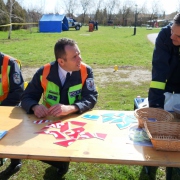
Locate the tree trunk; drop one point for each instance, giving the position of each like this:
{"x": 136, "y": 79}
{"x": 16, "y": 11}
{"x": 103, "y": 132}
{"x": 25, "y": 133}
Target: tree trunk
{"x": 10, "y": 15}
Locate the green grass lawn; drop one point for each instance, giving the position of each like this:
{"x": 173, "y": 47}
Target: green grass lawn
{"x": 105, "y": 47}
{"x": 102, "y": 49}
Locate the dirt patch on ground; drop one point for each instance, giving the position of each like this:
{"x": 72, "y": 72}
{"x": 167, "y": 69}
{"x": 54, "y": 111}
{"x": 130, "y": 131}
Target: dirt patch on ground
{"x": 102, "y": 75}
{"x": 28, "y": 72}
{"x": 135, "y": 76}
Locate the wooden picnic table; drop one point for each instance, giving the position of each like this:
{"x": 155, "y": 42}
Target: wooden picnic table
{"x": 22, "y": 142}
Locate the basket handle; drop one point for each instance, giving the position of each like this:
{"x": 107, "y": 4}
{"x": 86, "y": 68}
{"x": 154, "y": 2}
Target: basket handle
{"x": 147, "y": 130}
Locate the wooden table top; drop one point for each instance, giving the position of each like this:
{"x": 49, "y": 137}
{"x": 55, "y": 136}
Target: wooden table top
{"x": 22, "y": 142}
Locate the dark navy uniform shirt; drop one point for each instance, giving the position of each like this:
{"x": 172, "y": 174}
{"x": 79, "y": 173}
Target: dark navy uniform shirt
{"x": 16, "y": 83}
{"x": 34, "y": 90}
{"x": 165, "y": 66}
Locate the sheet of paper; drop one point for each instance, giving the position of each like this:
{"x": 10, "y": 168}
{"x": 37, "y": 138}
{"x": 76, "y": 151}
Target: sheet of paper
{"x": 2, "y": 133}
{"x": 91, "y": 117}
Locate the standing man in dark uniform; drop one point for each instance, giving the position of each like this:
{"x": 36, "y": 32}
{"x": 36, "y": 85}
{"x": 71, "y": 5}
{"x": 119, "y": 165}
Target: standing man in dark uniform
{"x": 166, "y": 69}
{"x": 11, "y": 88}
{"x": 96, "y": 25}
{"x": 67, "y": 86}
{"x": 165, "y": 64}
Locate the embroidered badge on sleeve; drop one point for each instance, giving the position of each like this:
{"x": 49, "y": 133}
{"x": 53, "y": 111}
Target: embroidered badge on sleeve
{"x": 90, "y": 84}
{"x": 16, "y": 78}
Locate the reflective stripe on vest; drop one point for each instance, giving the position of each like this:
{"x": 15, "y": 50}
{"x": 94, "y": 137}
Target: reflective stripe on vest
{"x": 44, "y": 82}
{"x": 157, "y": 85}
{"x": 73, "y": 92}
{"x": 16, "y": 60}
{"x": 4, "y": 83}
{"x": 51, "y": 95}
{"x": 4, "y": 79}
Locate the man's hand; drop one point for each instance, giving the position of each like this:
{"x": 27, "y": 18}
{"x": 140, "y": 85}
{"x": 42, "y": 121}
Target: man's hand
{"x": 40, "y": 111}
{"x": 61, "y": 109}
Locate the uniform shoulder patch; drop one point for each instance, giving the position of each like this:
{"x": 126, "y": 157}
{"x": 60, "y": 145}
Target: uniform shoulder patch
{"x": 90, "y": 84}
{"x": 16, "y": 78}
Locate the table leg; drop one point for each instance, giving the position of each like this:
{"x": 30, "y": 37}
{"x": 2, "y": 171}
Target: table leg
{"x": 1, "y": 161}
{"x": 169, "y": 173}
{"x": 147, "y": 169}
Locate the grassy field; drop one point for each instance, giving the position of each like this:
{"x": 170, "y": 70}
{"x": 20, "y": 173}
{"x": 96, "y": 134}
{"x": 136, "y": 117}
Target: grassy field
{"x": 102, "y": 49}
{"x": 105, "y": 47}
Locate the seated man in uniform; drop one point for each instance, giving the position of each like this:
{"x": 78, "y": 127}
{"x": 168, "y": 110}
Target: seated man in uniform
{"x": 11, "y": 88}
{"x": 67, "y": 86}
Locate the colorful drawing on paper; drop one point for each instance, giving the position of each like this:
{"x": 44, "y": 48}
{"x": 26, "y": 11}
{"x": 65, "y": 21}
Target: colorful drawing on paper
{"x": 122, "y": 120}
{"x": 69, "y": 132}
{"x": 42, "y": 121}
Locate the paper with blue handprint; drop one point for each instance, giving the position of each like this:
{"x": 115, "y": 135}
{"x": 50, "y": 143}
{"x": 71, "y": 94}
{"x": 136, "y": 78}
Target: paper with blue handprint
{"x": 106, "y": 119}
{"x": 108, "y": 115}
{"x": 123, "y": 125}
{"x": 130, "y": 118}
{"x": 91, "y": 117}
{"x": 117, "y": 120}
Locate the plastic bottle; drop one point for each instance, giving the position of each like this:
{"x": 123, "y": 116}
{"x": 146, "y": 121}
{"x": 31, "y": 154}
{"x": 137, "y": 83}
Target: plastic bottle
{"x": 115, "y": 68}
{"x": 138, "y": 99}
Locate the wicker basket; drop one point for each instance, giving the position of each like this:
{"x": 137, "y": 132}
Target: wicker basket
{"x": 165, "y": 136}
{"x": 149, "y": 113}
{"x": 176, "y": 109}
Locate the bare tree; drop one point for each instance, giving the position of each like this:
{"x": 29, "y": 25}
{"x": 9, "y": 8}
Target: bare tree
{"x": 3, "y": 14}
{"x": 86, "y": 4}
{"x": 32, "y": 17}
{"x": 142, "y": 12}
{"x": 125, "y": 11}
{"x": 111, "y": 4}
{"x": 10, "y": 16}
{"x": 70, "y": 7}
{"x": 10, "y": 4}
{"x": 154, "y": 11}
{"x": 97, "y": 4}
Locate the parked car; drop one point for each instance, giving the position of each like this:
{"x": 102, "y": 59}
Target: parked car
{"x": 74, "y": 24}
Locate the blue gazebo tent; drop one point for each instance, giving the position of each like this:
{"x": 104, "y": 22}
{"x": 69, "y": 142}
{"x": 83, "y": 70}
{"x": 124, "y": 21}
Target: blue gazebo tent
{"x": 65, "y": 26}
{"x": 53, "y": 23}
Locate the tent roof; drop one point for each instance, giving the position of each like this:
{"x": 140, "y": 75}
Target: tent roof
{"x": 52, "y": 17}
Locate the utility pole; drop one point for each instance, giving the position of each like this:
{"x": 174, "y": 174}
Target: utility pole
{"x": 135, "y": 21}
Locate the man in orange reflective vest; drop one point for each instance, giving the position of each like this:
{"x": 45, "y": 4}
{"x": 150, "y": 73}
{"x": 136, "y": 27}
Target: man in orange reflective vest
{"x": 11, "y": 88}
{"x": 61, "y": 96}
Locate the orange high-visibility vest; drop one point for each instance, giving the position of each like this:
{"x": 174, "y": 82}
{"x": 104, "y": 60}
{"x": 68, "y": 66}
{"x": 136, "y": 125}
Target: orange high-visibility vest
{"x": 4, "y": 78}
{"x": 46, "y": 71}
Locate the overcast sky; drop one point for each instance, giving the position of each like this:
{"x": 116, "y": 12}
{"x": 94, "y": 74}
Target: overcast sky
{"x": 51, "y": 5}
{"x": 168, "y": 6}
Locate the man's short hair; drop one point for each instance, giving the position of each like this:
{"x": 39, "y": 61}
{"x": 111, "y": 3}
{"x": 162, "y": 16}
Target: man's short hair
{"x": 59, "y": 48}
{"x": 177, "y": 19}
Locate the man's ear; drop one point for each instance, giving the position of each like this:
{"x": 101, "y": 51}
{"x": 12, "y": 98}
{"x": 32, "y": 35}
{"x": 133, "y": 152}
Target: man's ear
{"x": 60, "y": 61}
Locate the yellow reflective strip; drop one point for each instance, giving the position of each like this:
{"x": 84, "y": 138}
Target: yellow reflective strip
{"x": 157, "y": 85}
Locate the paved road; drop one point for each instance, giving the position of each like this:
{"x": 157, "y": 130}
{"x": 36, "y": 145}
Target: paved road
{"x": 152, "y": 37}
